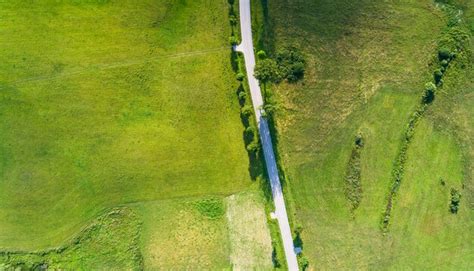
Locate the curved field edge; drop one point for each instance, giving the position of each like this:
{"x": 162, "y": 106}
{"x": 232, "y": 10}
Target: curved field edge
{"x": 110, "y": 242}
{"x": 194, "y": 233}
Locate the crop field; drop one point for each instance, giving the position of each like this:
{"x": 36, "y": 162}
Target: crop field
{"x": 366, "y": 65}
{"x": 105, "y": 103}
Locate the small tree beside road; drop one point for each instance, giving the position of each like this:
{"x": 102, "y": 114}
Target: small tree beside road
{"x": 266, "y": 71}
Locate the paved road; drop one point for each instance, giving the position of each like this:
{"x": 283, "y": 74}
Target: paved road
{"x": 246, "y": 47}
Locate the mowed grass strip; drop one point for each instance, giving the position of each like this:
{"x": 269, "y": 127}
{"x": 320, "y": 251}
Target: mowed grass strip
{"x": 210, "y": 233}
{"x": 177, "y": 235}
{"x": 109, "y": 102}
{"x": 250, "y": 241}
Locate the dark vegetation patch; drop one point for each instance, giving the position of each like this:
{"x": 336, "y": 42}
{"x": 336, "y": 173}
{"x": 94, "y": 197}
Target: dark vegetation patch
{"x": 291, "y": 64}
{"x": 455, "y": 200}
{"x": 287, "y": 64}
{"x": 212, "y": 208}
{"x": 353, "y": 180}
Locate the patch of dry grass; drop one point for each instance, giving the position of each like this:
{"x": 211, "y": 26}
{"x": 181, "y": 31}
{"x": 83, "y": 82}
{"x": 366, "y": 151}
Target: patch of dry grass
{"x": 250, "y": 241}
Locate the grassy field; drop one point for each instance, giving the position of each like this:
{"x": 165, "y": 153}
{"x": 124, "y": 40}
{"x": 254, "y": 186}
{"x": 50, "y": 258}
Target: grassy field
{"x": 110, "y": 242}
{"x": 111, "y": 102}
{"x": 176, "y": 235}
{"x": 367, "y": 62}
{"x": 248, "y": 232}
{"x": 203, "y": 233}
{"x": 206, "y": 233}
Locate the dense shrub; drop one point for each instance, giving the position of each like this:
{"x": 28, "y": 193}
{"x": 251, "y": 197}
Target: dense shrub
{"x": 261, "y": 54}
{"x": 246, "y": 110}
{"x": 437, "y": 76}
{"x": 291, "y": 64}
{"x": 455, "y": 199}
{"x": 303, "y": 262}
{"x": 240, "y": 76}
{"x": 242, "y": 95}
{"x": 267, "y": 71}
{"x": 232, "y": 20}
{"x": 233, "y": 40}
{"x": 250, "y": 133}
{"x": 270, "y": 108}
{"x": 211, "y": 208}
{"x": 444, "y": 54}
{"x": 253, "y": 147}
{"x": 429, "y": 94}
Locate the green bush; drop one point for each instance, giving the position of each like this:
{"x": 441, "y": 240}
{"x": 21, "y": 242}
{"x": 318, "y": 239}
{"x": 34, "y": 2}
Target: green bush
{"x": 429, "y": 93}
{"x": 266, "y": 71}
{"x": 261, "y": 54}
{"x": 437, "y": 76}
{"x": 291, "y": 63}
{"x": 295, "y": 72}
{"x": 240, "y": 76}
{"x": 233, "y": 40}
{"x": 246, "y": 110}
{"x": 455, "y": 199}
{"x": 359, "y": 140}
{"x": 242, "y": 95}
{"x": 444, "y": 63}
{"x": 303, "y": 262}
{"x": 232, "y": 20}
{"x": 231, "y": 2}
{"x": 270, "y": 108}
{"x": 444, "y": 54}
{"x": 253, "y": 147}
{"x": 250, "y": 131}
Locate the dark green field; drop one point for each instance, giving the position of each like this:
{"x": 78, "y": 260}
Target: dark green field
{"x": 367, "y": 63}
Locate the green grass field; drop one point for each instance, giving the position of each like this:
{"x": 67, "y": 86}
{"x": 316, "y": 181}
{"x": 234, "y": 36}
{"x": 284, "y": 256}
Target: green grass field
{"x": 109, "y": 242}
{"x": 203, "y": 233}
{"x": 177, "y": 236}
{"x": 110, "y": 102}
{"x": 367, "y": 62}
{"x": 206, "y": 233}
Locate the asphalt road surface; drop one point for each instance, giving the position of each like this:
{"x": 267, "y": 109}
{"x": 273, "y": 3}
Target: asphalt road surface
{"x": 246, "y": 47}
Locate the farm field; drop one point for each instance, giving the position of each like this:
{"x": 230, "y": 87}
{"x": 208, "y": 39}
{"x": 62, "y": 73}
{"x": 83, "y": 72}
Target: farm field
{"x": 192, "y": 233}
{"x": 116, "y": 103}
{"x": 206, "y": 233}
{"x": 366, "y": 65}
